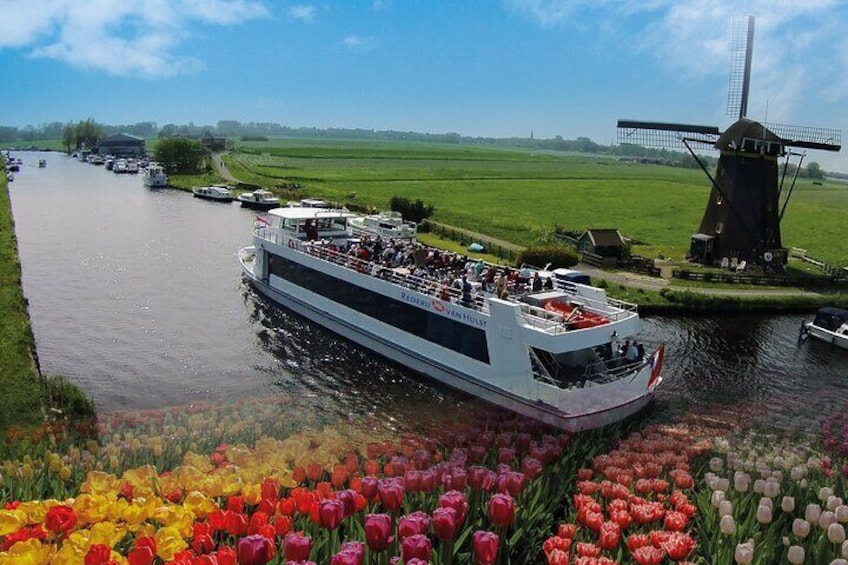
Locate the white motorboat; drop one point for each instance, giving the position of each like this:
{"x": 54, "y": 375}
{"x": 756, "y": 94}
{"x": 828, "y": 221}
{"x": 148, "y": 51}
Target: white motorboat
{"x": 259, "y": 200}
{"x": 386, "y": 224}
{"x": 214, "y": 192}
{"x": 154, "y": 176}
{"x": 830, "y": 325}
{"x": 525, "y": 352}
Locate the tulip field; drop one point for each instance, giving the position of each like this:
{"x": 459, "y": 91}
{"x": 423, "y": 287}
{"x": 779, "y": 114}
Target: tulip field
{"x": 239, "y": 483}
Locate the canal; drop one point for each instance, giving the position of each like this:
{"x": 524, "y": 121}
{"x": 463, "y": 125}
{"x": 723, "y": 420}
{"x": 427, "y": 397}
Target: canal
{"x": 136, "y": 295}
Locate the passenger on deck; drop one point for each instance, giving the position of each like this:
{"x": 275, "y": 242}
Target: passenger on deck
{"x": 632, "y": 354}
{"x": 466, "y": 292}
{"x": 500, "y": 286}
{"x": 536, "y": 284}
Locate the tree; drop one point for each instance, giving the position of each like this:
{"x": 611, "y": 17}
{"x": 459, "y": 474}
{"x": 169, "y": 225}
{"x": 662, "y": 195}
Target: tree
{"x": 814, "y": 171}
{"x": 180, "y": 155}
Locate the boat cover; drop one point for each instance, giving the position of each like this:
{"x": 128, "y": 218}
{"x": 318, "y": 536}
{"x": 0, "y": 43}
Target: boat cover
{"x": 831, "y": 318}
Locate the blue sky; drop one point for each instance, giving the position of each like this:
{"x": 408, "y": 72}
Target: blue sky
{"x": 477, "y": 67}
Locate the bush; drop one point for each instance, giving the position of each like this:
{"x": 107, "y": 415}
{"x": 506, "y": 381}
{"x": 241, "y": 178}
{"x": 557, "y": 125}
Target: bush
{"x": 411, "y": 211}
{"x": 557, "y": 255}
{"x": 66, "y": 398}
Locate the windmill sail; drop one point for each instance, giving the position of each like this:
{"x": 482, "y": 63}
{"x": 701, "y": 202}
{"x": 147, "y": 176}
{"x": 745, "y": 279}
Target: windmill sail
{"x": 670, "y": 136}
{"x": 741, "y": 52}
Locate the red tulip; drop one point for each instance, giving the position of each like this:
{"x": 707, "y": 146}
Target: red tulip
{"x": 378, "y": 530}
{"x": 257, "y": 520}
{"x": 98, "y": 554}
{"x": 297, "y": 547}
{"x": 412, "y": 480}
{"x": 635, "y": 541}
{"x": 202, "y": 541}
{"x": 235, "y": 504}
{"x": 282, "y": 525}
{"x": 557, "y": 557}
{"x": 235, "y": 523}
{"x": 141, "y": 556}
{"x": 60, "y": 519}
{"x": 255, "y": 550}
{"x": 501, "y": 510}
{"x": 515, "y": 482}
{"x": 456, "y": 500}
{"x": 391, "y": 494}
{"x": 428, "y": 481}
{"x": 411, "y": 524}
{"x": 369, "y": 487}
{"x": 531, "y": 467}
{"x": 588, "y": 549}
{"x": 331, "y": 513}
{"x": 609, "y": 536}
{"x": 444, "y": 523}
{"x": 506, "y": 455}
{"x": 678, "y": 546}
{"x": 226, "y": 555}
{"x": 648, "y": 555}
{"x": 348, "y": 498}
{"x": 270, "y": 489}
{"x": 485, "y": 546}
{"x": 417, "y": 546}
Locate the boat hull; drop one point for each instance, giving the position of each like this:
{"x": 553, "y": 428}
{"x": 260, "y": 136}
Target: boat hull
{"x": 827, "y": 336}
{"x": 258, "y": 205}
{"x": 461, "y": 381}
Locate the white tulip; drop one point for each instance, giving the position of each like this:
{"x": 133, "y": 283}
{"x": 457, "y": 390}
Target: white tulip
{"x": 824, "y": 493}
{"x": 727, "y": 525}
{"x": 802, "y": 483}
{"x": 841, "y": 513}
{"x": 845, "y": 549}
{"x": 763, "y": 514}
{"x": 788, "y": 504}
{"x": 716, "y": 498}
{"x": 826, "y": 519}
{"x": 771, "y": 488}
{"x": 723, "y": 484}
{"x": 744, "y": 553}
{"x": 839, "y": 562}
{"x": 759, "y": 485}
{"x": 716, "y": 464}
{"x": 800, "y": 528}
{"x": 795, "y": 555}
{"x": 725, "y": 508}
{"x": 833, "y": 502}
{"x": 741, "y": 481}
{"x": 777, "y": 475}
{"x": 766, "y": 502}
{"x": 797, "y": 473}
{"x": 812, "y": 513}
{"x": 836, "y": 533}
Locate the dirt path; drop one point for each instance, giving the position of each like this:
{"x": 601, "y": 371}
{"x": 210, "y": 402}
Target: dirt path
{"x": 480, "y": 236}
{"x": 221, "y": 167}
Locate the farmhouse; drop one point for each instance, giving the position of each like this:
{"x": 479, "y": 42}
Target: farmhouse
{"x": 122, "y": 145}
{"x": 607, "y": 243}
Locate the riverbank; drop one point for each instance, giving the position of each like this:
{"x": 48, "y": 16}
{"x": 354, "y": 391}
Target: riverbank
{"x": 20, "y": 380}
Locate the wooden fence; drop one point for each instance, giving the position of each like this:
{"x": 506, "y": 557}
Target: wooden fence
{"x": 764, "y": 280}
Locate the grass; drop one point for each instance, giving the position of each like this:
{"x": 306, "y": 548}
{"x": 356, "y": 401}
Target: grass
{"x": 520, "y": 196}
{"x": 20, "y": 403}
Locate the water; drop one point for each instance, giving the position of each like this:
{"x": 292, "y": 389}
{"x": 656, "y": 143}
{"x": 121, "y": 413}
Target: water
{"x": 136, "y": 295}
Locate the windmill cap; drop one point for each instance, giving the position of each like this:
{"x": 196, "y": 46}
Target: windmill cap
{"x": 734, "y": 138}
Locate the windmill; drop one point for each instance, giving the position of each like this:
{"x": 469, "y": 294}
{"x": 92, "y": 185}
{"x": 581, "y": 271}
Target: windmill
{"x": 748, "y": 200}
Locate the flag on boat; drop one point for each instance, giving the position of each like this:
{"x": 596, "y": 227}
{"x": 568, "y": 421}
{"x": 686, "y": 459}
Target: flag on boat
{"x": 656, "y": 366}
{"x": 260, "y": 222}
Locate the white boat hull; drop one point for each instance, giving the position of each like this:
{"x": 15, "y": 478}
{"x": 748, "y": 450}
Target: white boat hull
{"x": 827, "y": 336}
{"x": 587, "y": 408}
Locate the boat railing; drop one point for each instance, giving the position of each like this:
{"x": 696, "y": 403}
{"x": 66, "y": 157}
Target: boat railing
{"x": 398, "y": 275}
{"x": 555, "y": 323}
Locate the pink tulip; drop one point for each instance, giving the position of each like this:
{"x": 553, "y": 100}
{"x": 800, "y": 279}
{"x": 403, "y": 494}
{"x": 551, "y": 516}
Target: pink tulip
{"x": 417, "y": 546}
{"x": 456, "y": 500}
{"x": 378, "y": 530}
{"x": 391, "y": 494}
{"x": 414, "y": 523}
{"x": 297, "y": 547}
{"x": 255, "y": 550}
{"x": 444, "y": 523}
{"x": 501, "y": 510}
{"x": 485, "y": 546}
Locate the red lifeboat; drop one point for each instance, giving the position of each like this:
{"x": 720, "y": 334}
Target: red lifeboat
{"x": 575, "y": 317}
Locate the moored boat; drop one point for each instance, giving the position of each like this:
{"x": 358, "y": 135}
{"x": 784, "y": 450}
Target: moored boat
{"x": 830, "y": 325}
{"x": 387, "y": 224}
{"x": 517, "y": 350}
{"x": 154, "y": 176}
{"x": 216, "y": 193}
{"x": 259, "y": 200}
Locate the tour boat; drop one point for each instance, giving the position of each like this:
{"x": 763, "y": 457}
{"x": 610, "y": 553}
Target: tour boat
{"x": 387, "y": 224}
{"x": 520, "y": 351}
{"x": 42, "y": 163}
{"x": 259, "y": 200}
{"x": 829, "y": 325}
{"x": 217, "y": 193}
{"x": 154, "y": 176}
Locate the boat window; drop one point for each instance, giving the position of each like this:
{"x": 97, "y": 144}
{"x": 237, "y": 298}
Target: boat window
{"x": 433, "y": 327}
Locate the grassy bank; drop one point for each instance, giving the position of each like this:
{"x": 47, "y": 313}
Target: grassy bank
{"x": 20, "y": 402}
{"x": 519, "y": 196}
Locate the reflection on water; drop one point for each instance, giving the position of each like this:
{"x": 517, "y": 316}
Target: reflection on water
{"x": 136, "y": 295}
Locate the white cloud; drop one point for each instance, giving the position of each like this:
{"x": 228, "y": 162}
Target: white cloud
{"x": 361, "y": 43}
{"x": 115, "y": 36}
{"x": 302, "y": 12}
{"x": 800, "y": 50}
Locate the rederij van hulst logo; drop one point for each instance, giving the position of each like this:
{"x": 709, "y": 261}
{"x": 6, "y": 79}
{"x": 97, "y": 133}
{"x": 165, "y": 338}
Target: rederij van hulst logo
{"x": 440, "y": 307}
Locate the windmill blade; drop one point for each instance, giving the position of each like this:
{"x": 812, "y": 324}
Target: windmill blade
{"x": 658, "y": 134}
{"x": 826, "y": 139}
{"x": 741, "y": 50}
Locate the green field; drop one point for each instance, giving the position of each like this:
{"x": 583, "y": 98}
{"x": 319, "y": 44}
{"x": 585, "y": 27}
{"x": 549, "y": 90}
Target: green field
{"x": 520, "y": 196}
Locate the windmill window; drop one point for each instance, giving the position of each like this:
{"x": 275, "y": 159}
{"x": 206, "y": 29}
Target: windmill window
{"x": 719, "y": 227}
{"x": 718, "y": 200}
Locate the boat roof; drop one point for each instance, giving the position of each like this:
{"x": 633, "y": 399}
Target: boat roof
{"x": 835, "y": 312}
{"x": 305, "y": 213}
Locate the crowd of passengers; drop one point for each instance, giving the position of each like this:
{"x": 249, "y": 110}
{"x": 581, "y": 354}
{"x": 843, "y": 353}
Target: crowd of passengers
{"x": 451, "y": 276}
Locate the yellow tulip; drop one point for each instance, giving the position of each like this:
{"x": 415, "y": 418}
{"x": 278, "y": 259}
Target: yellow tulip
{"x": 199, "y": 505}
{"x": 11, "y": 521}
{"x": 252, "y": 493}
{"x": 169, "y": 542}
{"x": 65, "y": 473}
{"x": 29, "y": 552}
{"x": 91, "y": 508}
{"x": 69, "y": 554}
{"x": 98, "y": 482}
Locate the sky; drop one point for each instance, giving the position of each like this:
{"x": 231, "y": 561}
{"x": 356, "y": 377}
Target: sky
{"x": 493, "y": 68}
